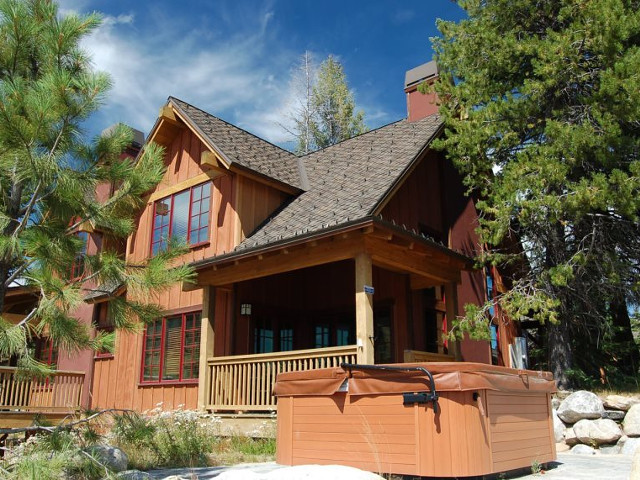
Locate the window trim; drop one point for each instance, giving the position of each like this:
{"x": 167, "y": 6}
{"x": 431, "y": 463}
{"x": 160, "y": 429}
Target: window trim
{"x": 78, "y": 266}
{"x": 172, "y": 196}
{"x": 159, "y": 381}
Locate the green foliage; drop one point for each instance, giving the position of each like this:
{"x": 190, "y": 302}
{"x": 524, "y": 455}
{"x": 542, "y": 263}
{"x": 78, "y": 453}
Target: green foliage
{"x": 541, "y": 106}
{"x": 178, "y": 439}
{"x": 323, "y": 110}
{"x": 48, "y": 180}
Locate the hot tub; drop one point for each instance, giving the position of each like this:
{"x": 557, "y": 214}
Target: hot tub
{"x": 425, "y": 419}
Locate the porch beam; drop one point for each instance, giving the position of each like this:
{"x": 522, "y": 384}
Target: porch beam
{"x": 395, "y": 257}
{"x": 207, "y": 337}
{"x": 451, "y": 306}
{"x": 364, "y": 309}
{"x": 329, "y": 251}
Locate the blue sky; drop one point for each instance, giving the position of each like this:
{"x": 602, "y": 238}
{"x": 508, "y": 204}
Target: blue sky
{"x": 234, "y": 59}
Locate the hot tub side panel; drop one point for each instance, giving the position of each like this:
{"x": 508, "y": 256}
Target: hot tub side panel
{"x": 380, "y": 434}
{"x": 521, "y": 430}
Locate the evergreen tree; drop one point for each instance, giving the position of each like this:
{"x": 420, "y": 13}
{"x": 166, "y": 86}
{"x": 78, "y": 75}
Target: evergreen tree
{"x": 335, "y": 118}
{"x": 322, "y": 109}
{"x": 48, "y": 180}
{"x": 541, "y": 102}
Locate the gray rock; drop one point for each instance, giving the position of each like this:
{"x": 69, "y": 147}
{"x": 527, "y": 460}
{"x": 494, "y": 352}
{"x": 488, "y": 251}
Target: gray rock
{"x": 609, "y": 449}
{"x": 555, "y": 403}
{"x": 630, "y": 446}
{"x": 579, "y": 405}
{"x": 570, "y": 437}
{"x": 583, "y": 450}
{"x": 615, "y": 415}
{"x": 620, "y": 402}
{"x": 632, "y": 421}
{"x": 558, "y": 427}
{"x": 112, "y": 457}
{"x": 597, "y": 432}
{"x": 133, "y": 475}
{"x": 562, "y": 447}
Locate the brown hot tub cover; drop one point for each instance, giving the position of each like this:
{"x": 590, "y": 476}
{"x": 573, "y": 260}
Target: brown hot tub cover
{"x": 448, "y": 376}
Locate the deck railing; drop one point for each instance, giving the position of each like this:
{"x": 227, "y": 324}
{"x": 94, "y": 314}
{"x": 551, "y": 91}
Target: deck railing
{"x": 245, "y": 382}
{"x": 61, "y": 392}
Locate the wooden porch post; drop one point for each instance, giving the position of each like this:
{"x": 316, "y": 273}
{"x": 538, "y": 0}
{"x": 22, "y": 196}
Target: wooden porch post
{"x": 207, "y": 336}
{"x": 364, "y": 309}
{"x": 451, "y": 306}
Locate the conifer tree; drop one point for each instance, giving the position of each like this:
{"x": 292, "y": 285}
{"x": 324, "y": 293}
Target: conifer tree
{"x": 48, "y": 180}
{"x": 541, "y": 102}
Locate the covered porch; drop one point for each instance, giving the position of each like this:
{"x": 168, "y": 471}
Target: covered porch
{"x": 367, "y": 293}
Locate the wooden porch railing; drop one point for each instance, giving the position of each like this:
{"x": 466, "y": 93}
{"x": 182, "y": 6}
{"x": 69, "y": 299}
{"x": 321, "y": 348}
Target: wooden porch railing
{"x": 61, "y": 392}
{"x": 416, "y": 356}
{"x": 245, "y": 382}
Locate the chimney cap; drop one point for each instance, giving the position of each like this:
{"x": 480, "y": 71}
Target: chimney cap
{"x": 421, "y": 73}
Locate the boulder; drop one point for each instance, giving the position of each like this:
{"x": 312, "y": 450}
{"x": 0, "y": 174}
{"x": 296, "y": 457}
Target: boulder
{"x": 597, "y": 432}
{"x": 570, "y": 437}
{"x": 111, "y": 457}
{"x": 562, "y": 447}
{"x": 615, "y": 415}
{"x": 308, "y": 472}
{"x": 635, "y": 466}
{"x": 609, "y": 449}
{"x": 583, "y": 450}
{"x": 631, "y": 422}
{"x": 579, "y": 405}
{"x": 630, "y": 446}
{"x": 558, "y": 427}
{"x": 620, "y": 402}
{"x": 133, "y": 475}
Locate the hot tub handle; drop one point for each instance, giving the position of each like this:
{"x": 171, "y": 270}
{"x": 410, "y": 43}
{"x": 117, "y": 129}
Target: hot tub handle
{"x": 422, "y": 397}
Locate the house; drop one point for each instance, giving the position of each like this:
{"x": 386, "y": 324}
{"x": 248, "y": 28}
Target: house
{"x": 359, "y": 252}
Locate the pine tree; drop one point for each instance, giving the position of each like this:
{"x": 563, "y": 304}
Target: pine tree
{"x": 322, "y": 110}
{"x": 48, "y": 180}
{"x": 335, "y": 118}
{"x": 541, "y": 102}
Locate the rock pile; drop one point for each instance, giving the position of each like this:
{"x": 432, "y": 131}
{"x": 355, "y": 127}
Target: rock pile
{"x": 588, "y": 424}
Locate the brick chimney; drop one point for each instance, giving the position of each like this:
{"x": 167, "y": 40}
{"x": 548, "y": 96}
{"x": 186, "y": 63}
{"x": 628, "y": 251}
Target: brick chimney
{"x": 420, "y": 105}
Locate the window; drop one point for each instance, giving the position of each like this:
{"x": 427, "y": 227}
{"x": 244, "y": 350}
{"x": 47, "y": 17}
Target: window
{"x": 103, "y": 324}
{"x": 77, "y": 267}
{"x": 184, "y": 216}
{"x": 46, "y": 352}
{"x": 343, "y": 335}
{"x": 322, "y": 336}
{"x": 286, "y": 339}
{"x": 263, "y": 336}
{"x": 171, "y": 349}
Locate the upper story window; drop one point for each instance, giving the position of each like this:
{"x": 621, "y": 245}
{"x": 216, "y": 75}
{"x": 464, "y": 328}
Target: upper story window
{"x": 77, "y": 267}
{"x": 184, "y": 215}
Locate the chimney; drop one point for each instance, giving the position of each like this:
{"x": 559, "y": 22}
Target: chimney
{"x": 134, "y": 147}
{"x": 420, "y": 105}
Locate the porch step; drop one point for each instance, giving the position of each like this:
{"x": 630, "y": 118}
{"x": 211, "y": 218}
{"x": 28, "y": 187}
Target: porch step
{"x": 255, "y": 425}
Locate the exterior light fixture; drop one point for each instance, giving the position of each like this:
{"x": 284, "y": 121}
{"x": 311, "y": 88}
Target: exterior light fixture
{"x": 245, "y": 309}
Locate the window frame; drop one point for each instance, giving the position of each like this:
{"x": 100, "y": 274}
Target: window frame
{"x": 78, "y": 266}
{"x": 171, "y": 199}
{"x": 102, "y": 324}
{"x": 163, "y": 330}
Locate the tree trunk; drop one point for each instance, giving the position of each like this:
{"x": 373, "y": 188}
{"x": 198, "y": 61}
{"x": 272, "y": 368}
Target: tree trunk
{"x": 559, "y": 354}
{"x": 627, "y": 350}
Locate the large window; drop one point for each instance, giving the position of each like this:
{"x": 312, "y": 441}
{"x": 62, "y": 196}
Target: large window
{"x": 171, "y": 349}
{"x": 184, "y": 216}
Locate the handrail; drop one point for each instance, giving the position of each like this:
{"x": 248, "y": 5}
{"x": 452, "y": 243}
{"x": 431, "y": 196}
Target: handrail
{"x": 432, "y": 396}
{"x": 245, "y": 382}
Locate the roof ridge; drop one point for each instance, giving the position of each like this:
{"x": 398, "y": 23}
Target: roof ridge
{"x": 360, "y": 135}
{"x": 232, "y": 125}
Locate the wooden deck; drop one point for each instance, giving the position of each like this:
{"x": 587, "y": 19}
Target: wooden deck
{"x": 24, "y": 399}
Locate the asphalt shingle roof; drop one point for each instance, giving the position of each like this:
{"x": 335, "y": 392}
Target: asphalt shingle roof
{"x": 244, "y": 148}
{"x": 347, "y": 180}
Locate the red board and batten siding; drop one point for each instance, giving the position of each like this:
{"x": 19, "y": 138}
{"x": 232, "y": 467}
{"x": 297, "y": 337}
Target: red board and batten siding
{"x": 116, "y": 382}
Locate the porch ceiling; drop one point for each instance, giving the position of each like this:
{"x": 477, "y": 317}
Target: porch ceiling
{"x": 389, "y": 246}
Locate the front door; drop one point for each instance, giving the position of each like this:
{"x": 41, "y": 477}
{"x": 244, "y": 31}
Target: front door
{"x": 383, "y": 335}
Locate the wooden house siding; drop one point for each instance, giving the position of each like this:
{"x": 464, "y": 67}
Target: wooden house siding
{"x": 238, "y": 206}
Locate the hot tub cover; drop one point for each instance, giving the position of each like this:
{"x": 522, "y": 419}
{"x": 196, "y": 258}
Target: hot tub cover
{"x": 448, "y": 376}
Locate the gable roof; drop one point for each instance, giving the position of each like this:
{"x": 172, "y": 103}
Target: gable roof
{"x": 348, "y": 181}
{"x": 241, "y": 148}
